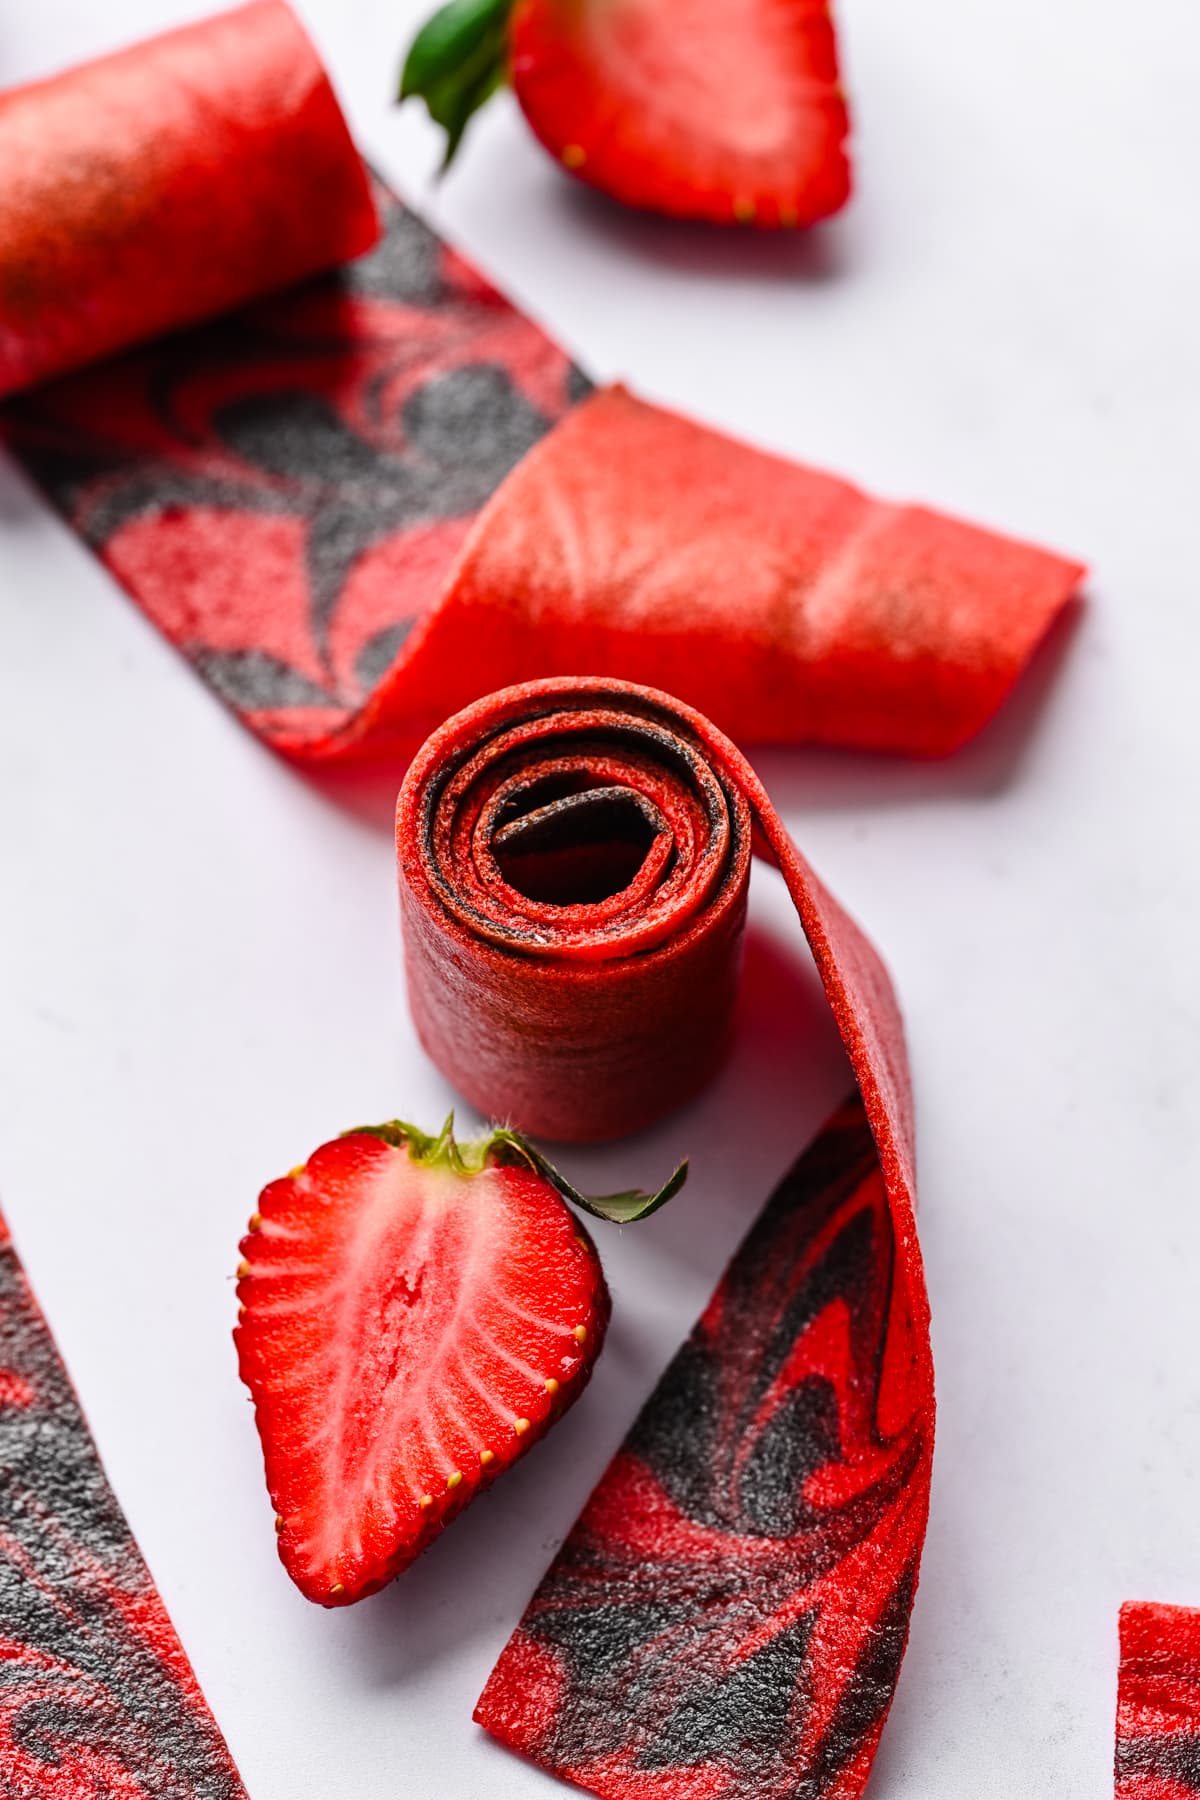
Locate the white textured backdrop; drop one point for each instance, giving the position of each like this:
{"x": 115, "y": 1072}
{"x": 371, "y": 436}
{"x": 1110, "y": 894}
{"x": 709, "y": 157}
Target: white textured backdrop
{"x": 199, "y": 975}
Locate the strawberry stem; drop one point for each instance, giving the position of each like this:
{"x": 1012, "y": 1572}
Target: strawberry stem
{"x": 619, "y": 1209}
{"x": 505, "y": 1148}
{"x": 456, "y": 62}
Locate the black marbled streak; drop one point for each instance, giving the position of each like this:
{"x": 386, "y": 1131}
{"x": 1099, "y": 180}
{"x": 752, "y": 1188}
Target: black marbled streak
{"x": 250, "y": 679}
{"x": 78, "y": 1677}
{"x": 751, "y": 1707}
{"x": 406, "y": 263}
{"x": 1174, "y": 1756}
{"x": 695, "y": 1654}
{"x": 284, "y": 449}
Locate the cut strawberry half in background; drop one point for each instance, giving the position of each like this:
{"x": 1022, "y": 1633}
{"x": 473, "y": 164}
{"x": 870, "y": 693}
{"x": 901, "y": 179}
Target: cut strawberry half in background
{"x": 413, "y": 1315}
{"x": 724, "y": 110}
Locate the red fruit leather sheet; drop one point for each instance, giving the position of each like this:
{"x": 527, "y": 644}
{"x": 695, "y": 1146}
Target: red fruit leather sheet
{"x": 359, "y": 504}
{"x": 728, "y": 1616}
{"x": 97, "y": 1698}
{"x": 166, "y": 183}
{"x": 1158, "y": 1703}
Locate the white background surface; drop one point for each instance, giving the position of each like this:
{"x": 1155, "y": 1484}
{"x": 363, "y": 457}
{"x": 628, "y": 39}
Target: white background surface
{"x": 199, "y": 974}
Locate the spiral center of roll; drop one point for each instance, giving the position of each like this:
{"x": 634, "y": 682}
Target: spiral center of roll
{"x": 576, "y": 848}
{"x": 586, "y": 831}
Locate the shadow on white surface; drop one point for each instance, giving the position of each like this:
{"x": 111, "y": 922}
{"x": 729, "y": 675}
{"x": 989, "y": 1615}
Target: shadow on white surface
{"x": 821, "y": 253}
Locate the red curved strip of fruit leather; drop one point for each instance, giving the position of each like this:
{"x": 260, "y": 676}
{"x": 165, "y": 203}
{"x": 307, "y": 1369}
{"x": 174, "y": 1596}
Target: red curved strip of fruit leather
{"x": 358, "y": 504}
{"x": 96, "y": 1693}
{"x": 727, "y": 1618}
{"x": 357, "y": 507}
{"x": 782, "y": 602}
{"x": 729, "y": 1614}
{"x": 284, "y": 491}
{"x": 166, "y": 183}
{"x": 1158, "y": 1703}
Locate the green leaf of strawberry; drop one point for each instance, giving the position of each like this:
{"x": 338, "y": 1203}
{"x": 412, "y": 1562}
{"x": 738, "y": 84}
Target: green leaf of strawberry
{"x": 724, "y": 110}
{"x": 618, "y": 1209}
{"x": 414, "y": 1314}
{"x": 456, "y": 62}
{"x": 510, "y": 1149}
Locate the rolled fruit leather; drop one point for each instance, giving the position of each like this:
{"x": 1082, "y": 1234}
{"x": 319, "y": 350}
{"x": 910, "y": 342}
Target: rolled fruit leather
{"x": 729, "y": 1615}
{"x": 358, "y": 504}
{"x": 166, "y": 183}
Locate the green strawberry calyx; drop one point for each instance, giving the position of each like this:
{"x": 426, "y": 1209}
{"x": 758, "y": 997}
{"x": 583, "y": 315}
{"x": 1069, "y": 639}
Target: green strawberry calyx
{"x": 456, "y": 62}
{"x": 503, "y": 1148}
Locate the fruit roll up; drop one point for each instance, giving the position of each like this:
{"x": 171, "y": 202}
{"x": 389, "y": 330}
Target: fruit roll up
{"x": 730, "y": 1613}
{"x": 1158, "y": 1703}
{"x": 96, "y": 1693}
{"x": 167, "y": 183}
{"x": 358, "y": 504}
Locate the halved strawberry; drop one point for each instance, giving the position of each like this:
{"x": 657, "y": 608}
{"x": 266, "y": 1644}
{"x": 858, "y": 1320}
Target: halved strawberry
{"x": 725, "y": 110}
{"x": 414, "y": 1314}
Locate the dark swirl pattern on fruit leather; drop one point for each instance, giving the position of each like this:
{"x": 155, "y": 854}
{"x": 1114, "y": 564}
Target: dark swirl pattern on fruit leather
{"x": 728, "y": 1616}
{"x": 1158, "y": 1703}
{"x": 97, "y": 1698}
{"x": 358, "y": 504}
{"x": 285, "y": 490}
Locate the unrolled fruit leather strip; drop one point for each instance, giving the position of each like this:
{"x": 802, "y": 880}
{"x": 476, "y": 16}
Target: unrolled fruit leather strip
{"x": 781, "y": 601}
{"x": 728, "y": 1617}
{"x": 1158, "y": 1703}
{"x": 285, "y": 491}
{"x": 96, "y": 1694}
{"x": 166, "y": 183}
{"x": 357, "y": 505}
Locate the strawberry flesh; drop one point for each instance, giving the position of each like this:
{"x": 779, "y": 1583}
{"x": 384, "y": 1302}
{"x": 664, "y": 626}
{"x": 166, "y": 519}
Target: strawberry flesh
{"x": 723, "y": 110}
{"x": 408, "y": 1328}
{"x": 728, "y": 111}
